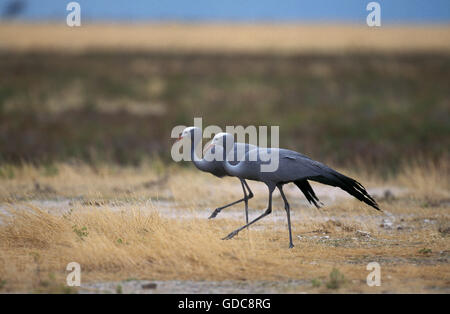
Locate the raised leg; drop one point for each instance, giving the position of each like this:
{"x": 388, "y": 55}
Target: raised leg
{"x": 245, "y": 199}
{"x": 288, "y": 213}
{"x": 267, "y": 212}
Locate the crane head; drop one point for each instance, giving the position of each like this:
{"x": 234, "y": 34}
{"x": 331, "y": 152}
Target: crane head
{"x": 225, "y": 140}
{"x": 189, "y": 132}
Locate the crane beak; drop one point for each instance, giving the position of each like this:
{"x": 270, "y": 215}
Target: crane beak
{"x": 179, "y": 138}
{"x": 208, "y": 147}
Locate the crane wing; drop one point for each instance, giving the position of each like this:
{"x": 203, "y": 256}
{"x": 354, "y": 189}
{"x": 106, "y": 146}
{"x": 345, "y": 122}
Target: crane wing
{"x": 295, "y": 167}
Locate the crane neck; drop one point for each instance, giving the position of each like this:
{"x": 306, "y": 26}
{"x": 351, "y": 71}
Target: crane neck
{"x": 200, "y": 163}
{"x": 231, "y": 169}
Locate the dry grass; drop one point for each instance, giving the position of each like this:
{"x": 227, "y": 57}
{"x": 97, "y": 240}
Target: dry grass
{"x": 36, "y": 245}
{"x": 424, "y": 179}
{"x": 247, "y": 38}
{"x": 429, "y": 180}
{"x": 136, "y": 239}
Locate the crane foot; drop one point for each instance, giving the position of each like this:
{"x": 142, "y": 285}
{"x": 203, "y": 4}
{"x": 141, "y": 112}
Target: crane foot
{"x": 214, "y": 213}
{"x": 291, "y": 245}
{"x": 231, "y": 235}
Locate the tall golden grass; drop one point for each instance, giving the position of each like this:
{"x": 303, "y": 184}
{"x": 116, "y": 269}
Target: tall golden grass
{"x": 36, "y": 245}
{"x": 427, "y": 179}
{"x": 152, "y": 179}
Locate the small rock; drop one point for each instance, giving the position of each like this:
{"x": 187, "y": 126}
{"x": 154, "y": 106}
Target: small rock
{"x": 386, "y": 224}
{"x": 388, "y": 195}
{"x": 150, "y": 285}
{"x": 362, "y": 233}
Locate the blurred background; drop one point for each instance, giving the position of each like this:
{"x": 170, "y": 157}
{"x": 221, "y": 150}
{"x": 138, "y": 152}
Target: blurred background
{"x": 112, "y": 89}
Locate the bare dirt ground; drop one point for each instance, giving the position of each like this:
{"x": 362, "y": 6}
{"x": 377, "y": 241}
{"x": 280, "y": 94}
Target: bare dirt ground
{"x": 137, "y": 231}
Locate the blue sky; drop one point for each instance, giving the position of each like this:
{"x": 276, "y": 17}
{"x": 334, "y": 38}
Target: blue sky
{"x": 392, "y": 11}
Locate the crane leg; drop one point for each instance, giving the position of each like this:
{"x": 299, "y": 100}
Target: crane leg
{"x": 250, "y": 195}
{"x": 245, "y": 199}
{"x": 267, "y": 212}
{"x": 288, "y": 213}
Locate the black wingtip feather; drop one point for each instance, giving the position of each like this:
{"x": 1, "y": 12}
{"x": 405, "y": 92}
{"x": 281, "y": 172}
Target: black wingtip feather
{"x": 351, "y": 186}
{"x": 356, "y": 189}
{"x": 307, "y": 190}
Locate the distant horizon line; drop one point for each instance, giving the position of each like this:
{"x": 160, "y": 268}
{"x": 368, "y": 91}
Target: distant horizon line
{"x": 226, "y": 22}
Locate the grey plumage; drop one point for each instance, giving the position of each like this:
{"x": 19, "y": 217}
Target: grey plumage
{"x": 292, "y": 167}
{"x": 216, "y": 167}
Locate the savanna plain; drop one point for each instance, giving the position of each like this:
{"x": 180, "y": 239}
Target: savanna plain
{"x": 86, "y": 174}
